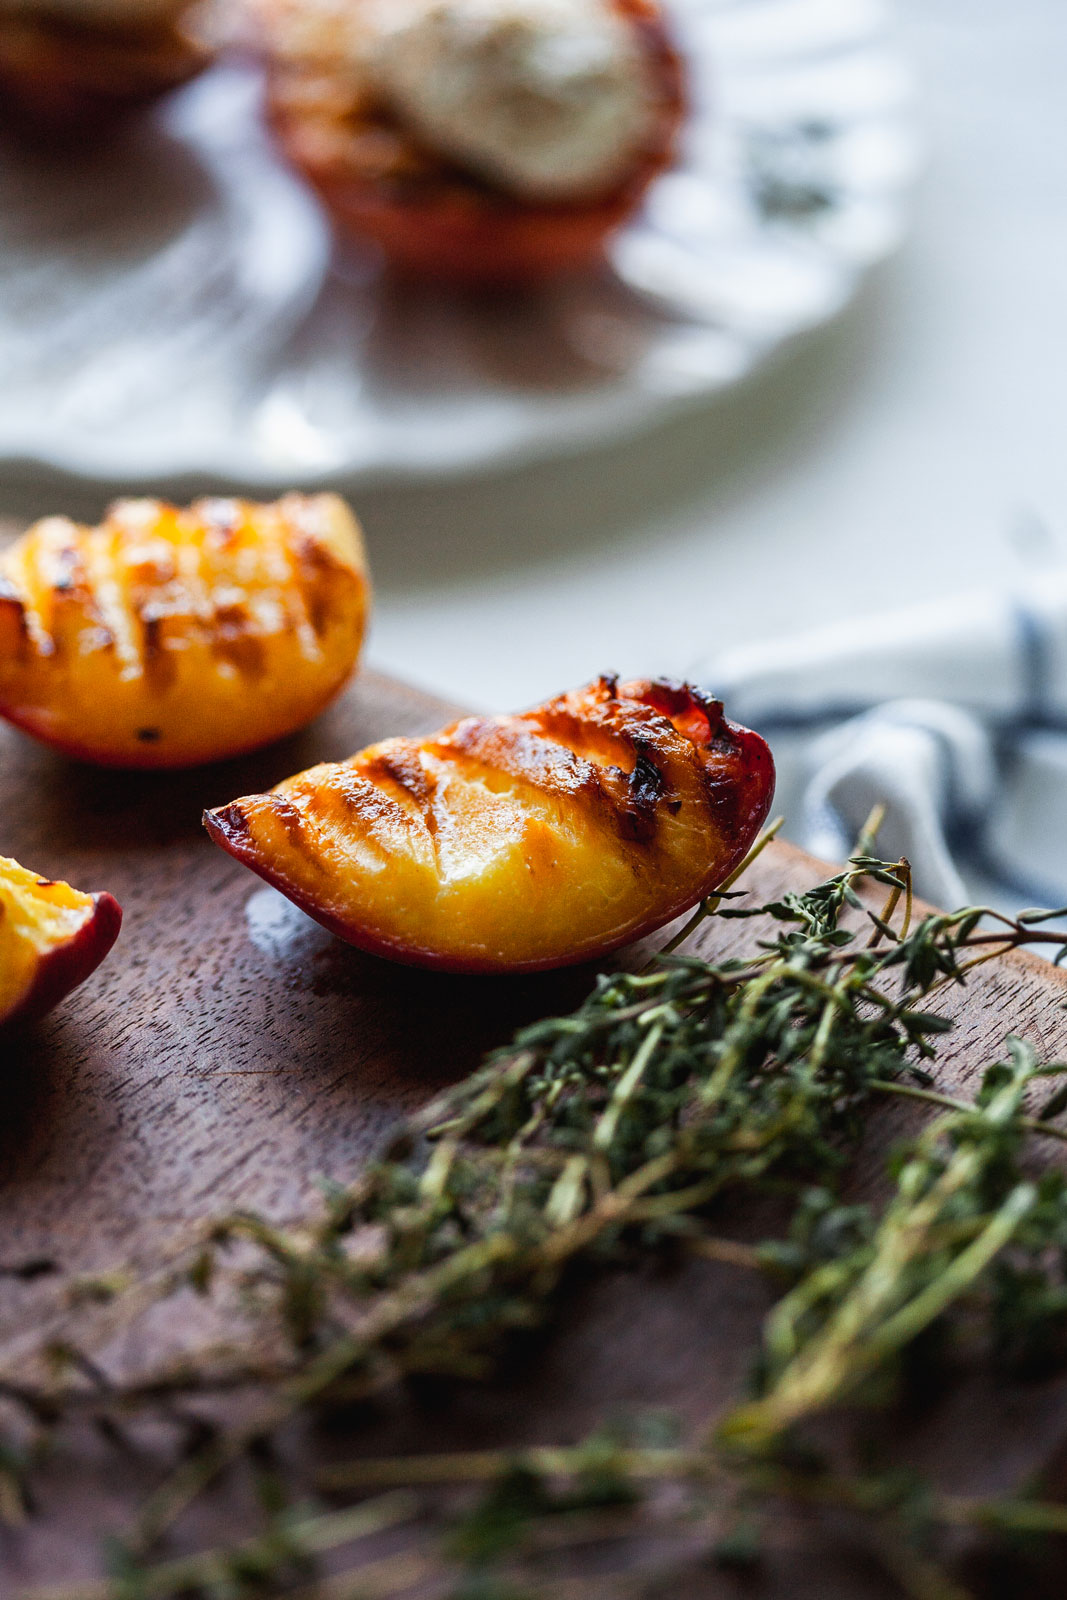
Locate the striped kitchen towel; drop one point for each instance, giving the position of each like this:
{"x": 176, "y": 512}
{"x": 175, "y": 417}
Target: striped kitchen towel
{"x": 952, "y": 713}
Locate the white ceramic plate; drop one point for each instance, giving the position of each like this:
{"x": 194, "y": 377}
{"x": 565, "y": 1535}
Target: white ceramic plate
{"x": 173, "y": 305}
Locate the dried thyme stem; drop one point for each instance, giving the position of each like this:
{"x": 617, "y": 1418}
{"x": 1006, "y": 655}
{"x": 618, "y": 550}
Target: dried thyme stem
{"x": 487, "y": 1466}
{"x": 929, "y": 1097}
{"x": 305, "y": 1537}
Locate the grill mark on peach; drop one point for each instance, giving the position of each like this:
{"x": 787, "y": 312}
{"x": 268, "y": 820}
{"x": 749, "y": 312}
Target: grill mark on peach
{"x": 319, "y": 607}
{"x": 246, "y": 654}
{"x": 72, "y": 595}
{"x": 291, "y": 821}
{"x": 747, "y": 770}
{"x": 346, "y": 787}
{"x": 159, "y": 666}
{"x": 626, "y": 803}
{"x": 603, "y": 734}
{"x": 722, "y": 800}
{"x": 46, "y": 582}
{"x": 107, "y": 602}
{"x": 646, "y": 792}
{"x": 233, "y": 639}
{"x": 508, "y": 746}
{"x": 293, "y": 589}
{"x": 681, "y": 705}
{"x": 639, "y": 789}
{"x": 317, "y": 573}
{"x": 399, "y": 767}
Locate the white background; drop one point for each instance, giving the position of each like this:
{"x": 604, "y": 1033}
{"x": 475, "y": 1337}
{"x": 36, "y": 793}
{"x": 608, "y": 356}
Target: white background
{"x": 895, "y": 454}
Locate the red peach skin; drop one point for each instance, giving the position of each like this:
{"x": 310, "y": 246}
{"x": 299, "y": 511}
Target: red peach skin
{"x": 52, "y": 937}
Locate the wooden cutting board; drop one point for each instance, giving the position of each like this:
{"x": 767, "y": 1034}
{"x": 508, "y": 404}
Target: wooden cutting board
{"x": 229, "y": 1053}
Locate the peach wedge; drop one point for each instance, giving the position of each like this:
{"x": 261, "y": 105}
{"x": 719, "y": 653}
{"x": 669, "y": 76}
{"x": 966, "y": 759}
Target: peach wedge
{"x": 168, "y": 638}
{"x": 516, "y": 843}
{"x": 51, "y": 938}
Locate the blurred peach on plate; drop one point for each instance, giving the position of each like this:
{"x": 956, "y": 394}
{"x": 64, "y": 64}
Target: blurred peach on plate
{"x": 478, "y": 141}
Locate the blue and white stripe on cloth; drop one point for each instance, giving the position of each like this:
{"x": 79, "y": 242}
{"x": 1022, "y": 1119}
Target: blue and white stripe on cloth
{"x": 952, "y": 713}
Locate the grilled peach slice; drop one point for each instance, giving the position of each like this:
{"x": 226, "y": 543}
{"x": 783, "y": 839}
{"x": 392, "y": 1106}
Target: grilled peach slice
{"x": 431, "y": 217}
{"x": 51, "y": 938}
{"x": 515, "y": 843}
{"x": 166, "y": 638}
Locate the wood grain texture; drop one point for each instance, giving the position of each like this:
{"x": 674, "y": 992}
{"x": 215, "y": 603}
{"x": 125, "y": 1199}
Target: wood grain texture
{"x": 229, "y": 1052}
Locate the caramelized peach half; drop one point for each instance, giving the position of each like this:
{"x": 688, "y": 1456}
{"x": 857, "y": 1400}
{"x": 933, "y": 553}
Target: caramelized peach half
{"x": 430, "y": 217}
{"x": 61, "y": 74}
{"x": 515, "y": 843}
{"x": 166, "y": 638}
{"x": 51, "y": 938}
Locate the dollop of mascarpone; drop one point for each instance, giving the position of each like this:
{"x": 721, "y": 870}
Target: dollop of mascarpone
{"x": 551, "y": 100}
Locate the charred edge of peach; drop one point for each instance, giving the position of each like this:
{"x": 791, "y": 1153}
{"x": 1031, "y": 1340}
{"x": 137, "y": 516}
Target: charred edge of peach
{"x": 67, "y": 968}
{"x": 693, "y": 713}
{"x": 742, "y": 798}
{"x": 758, "y": 784}
{"x": 700, "y": 717}
{"x": 228, "y": 827}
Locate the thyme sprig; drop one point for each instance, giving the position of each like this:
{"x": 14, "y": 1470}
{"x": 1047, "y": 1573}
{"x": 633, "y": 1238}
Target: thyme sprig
{"x": 623, "y": 1126}
{"x": 962, "y": 1200}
